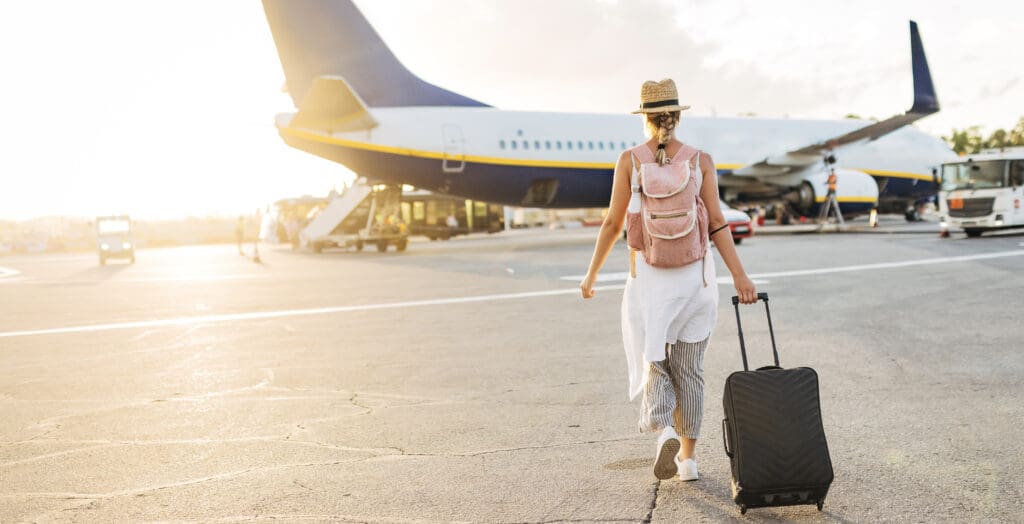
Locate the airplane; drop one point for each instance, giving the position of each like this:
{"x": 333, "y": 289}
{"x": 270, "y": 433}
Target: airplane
{"x": 359, "y": 106}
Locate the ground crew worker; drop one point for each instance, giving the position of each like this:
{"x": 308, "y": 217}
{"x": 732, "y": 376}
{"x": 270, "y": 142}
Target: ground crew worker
{"x": 240, "y": 233}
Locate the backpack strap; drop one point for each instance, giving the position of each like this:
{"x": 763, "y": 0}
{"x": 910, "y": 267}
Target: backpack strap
{"x": 695, "y": 170}
{"x": 634, "y": 175}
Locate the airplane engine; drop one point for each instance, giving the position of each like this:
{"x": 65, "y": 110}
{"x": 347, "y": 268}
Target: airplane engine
{"x": 856, "y": 191}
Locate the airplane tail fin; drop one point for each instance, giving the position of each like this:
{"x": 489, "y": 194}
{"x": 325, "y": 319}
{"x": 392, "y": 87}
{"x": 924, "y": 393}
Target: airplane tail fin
{"x": 925, "y": 99}
{"x": 317, "y": 38}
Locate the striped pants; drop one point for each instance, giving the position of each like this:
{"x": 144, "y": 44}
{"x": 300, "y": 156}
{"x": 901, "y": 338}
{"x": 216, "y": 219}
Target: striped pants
{"x": 676, "y": 381}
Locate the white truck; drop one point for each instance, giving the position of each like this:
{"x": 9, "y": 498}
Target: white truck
{"x": 114, "y": 238}
{"x": 983, "y": 192}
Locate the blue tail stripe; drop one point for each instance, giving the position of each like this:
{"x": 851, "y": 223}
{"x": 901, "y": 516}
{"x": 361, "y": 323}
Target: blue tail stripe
{"x": 331, "y": 37}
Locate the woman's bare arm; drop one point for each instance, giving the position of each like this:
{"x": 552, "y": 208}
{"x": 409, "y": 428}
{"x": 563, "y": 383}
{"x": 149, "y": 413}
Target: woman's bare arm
{"x": 613, "y": 221}
{"x": 723, "y": 237}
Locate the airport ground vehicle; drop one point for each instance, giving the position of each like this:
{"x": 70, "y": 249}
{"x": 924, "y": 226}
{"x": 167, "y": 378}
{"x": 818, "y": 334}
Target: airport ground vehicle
{"x": 983, "y": 193}
{"x": 381, "y": 215}
{"x": 364, "y": 214}
{"x": 114, "y": 238}
{"x": 739, "y": 223}
{"x": 429, "y": 214}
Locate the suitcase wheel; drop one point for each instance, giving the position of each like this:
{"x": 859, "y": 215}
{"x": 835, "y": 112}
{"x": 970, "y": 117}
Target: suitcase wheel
{"x": 820, "y": 504}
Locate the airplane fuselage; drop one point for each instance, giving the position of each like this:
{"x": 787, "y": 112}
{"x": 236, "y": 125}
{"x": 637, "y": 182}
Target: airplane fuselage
{"x": 566, "y": 160}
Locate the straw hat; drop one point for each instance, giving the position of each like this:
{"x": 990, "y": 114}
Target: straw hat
{"x": 659, "y": 97}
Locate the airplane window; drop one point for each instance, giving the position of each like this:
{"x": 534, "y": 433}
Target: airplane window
{"x": 579, "y": 144}
{"x": 502, "y": 144}
{"x": 526, "y": 144}
{"x": 634, "y": 144}
{"x": 547, "y": 144}
{"x": 611, "y": 145}
{"x": 568, "y": 145}
{"x": 558, "y": 145}
{"x": 590, "y": 145}
{"x": 514, "y": 144}
{"x": 536, "y": 144}
{"x": 623, "y": 145}
{"x": 600, "y": 145}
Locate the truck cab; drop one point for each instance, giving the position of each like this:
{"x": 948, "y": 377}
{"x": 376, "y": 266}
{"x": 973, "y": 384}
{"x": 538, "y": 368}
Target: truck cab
{"x": 983, "y": 193}
{"x": 114, "y": 238}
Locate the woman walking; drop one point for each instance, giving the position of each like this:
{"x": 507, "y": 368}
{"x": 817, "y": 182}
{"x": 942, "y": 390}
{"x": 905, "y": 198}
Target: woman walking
{"x": 670, "y": 303}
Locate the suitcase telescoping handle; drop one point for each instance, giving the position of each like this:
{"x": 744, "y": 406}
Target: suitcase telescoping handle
{"x": 739, "y": 327}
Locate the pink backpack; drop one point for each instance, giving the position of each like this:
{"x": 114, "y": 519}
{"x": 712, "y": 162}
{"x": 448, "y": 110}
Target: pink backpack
{"x": 666, "y": 219}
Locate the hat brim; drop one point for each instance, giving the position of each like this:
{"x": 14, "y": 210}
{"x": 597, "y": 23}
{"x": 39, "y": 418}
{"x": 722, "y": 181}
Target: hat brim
{"x": 662, "y": 109}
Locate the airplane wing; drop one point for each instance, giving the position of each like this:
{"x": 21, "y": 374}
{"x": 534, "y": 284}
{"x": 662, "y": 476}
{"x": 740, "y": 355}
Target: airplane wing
{"x": 925, "y": 103}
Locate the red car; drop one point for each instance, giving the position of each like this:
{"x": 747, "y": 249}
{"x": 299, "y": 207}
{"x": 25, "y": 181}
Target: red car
{"x": 739, "y": 223}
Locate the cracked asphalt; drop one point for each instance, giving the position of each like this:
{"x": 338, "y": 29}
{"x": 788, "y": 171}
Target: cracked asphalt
{"x": 458, "y": 382}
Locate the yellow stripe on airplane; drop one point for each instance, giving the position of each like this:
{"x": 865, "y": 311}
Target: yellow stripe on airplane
{"x": 317, "y": 137}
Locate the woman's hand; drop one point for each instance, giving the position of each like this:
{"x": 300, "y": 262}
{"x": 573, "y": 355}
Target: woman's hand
{"x": 587, "y": 286}
{"x": 745, "y": 289}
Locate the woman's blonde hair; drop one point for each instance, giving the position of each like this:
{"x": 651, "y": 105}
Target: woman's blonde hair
{"x": 663, "y": 126}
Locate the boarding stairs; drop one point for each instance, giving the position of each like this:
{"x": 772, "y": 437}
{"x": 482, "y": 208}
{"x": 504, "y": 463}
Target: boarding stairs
{"x": 337, "y": 210}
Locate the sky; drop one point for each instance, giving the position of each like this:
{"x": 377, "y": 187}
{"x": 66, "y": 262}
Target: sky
{"x": 165, "y": 109}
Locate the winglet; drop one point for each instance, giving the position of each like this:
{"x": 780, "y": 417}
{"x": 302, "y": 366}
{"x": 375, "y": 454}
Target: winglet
{"x": 925, "y": 100}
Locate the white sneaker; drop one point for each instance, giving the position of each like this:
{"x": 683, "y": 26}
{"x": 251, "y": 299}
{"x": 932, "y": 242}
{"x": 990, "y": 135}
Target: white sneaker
{"x": 665, "y": 466}
{"x": 687, "y": 469}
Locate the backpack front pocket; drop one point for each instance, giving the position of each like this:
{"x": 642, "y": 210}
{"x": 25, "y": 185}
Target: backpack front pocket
{"x": 635, "y": 231}
{"x": 670, "y": 225}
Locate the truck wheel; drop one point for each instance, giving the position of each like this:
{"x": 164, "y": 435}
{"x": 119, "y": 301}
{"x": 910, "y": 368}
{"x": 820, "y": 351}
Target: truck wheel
{"x": 359, "y": 245}
{"x": 973, "y": 233}
{"x": 382, "y": 245}
{"x": 318, "y": 247}
{"x": 402, "y": 244}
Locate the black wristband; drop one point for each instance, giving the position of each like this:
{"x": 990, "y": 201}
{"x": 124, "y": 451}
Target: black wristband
{"x": 717, "y": 229}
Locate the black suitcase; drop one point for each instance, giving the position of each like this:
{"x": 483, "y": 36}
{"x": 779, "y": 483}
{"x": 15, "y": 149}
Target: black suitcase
{"x": 772, "y": 432}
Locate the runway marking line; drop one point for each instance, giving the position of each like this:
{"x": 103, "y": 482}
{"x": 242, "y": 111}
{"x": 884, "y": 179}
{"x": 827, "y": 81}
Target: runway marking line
{"x": 8, "y": 272}
{"x": 232, "y": 317}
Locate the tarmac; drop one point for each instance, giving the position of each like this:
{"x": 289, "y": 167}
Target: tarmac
{"x": 467, "y": 381}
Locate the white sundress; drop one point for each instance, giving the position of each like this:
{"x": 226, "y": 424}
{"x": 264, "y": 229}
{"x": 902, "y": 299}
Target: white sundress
{"x": 663, "y": 305}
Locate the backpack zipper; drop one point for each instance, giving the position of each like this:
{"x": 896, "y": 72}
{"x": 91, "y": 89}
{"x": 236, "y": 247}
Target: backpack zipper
{"x": 670, "y": 215}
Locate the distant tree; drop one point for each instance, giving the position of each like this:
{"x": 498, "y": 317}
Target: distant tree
{"x": 997, "y": 140}
{"x": 969, "y": 140}
{"x": 1017, "y": 133}
{"x": 852, "y": 116}
{"x": 965, "y": 141}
